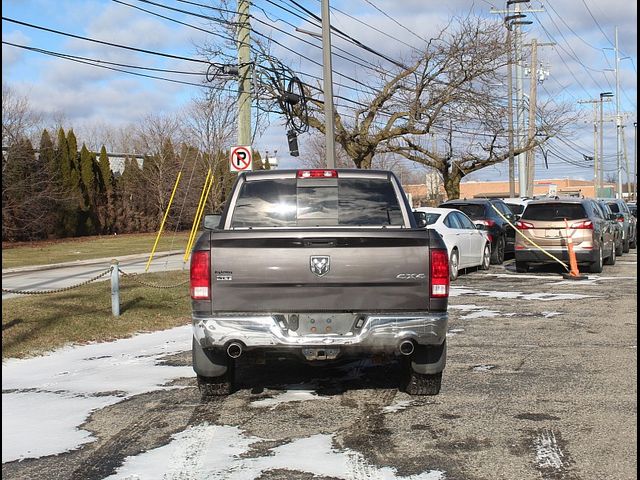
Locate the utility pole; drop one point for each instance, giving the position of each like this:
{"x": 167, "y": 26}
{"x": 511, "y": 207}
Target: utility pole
{"x": 635, "y": 161}
{"x": 596, "y": 177}
{"x": 603, "y": 95}
{"x": 618, "y": 119}
{"x": 513, "y": 19}
{"x": 244, "y": 69}
{"x": 536, "y": 75}
{"x": 626, "y": 162}
{"x": 329, "y": 134}
{"x": 512, "y": 168}
{"x": 522, "y": 168}
{"x": 533, "y": 92}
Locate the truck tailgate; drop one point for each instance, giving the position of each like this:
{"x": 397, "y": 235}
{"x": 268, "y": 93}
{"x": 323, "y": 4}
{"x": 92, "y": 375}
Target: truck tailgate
{"x": 315, "y": 270}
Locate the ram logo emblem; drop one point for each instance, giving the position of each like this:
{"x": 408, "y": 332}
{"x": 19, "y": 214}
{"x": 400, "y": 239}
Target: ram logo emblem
{"x": 320, "y": 264}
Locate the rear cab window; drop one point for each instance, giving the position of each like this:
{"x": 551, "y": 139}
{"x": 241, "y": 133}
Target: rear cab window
{"x": 552, "y": 212}
{"x": 291, "y": 202}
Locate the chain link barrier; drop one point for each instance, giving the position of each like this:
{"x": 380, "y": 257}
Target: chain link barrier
{"x": 133, "y": 276}
{"x": 57, "y": 290}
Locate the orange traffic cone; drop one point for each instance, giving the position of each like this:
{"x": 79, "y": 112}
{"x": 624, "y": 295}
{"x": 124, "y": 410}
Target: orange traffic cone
{"x": 574, "y": 273}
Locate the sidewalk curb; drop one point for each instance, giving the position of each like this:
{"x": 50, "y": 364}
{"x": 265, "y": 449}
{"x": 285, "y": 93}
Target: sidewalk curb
{"x": 92, "y": 261}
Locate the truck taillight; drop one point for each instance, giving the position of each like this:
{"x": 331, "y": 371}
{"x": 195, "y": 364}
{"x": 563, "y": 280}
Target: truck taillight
{"x": 200, "y": 275}
{"x": 317, "y": 174}
{"x": 439, "y": 271}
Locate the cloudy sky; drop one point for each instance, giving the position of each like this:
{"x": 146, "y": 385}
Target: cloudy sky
{"x": 581, "y": 63}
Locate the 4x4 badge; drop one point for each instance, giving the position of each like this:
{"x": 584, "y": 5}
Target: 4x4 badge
{"x": 320, "y": 264}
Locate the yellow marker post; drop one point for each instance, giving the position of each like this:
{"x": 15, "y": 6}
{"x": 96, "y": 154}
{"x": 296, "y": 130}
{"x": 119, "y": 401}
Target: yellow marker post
{"x": 166, "y": 214}
{"x": 196, "y": 221}
{"x": 201, "y": 204}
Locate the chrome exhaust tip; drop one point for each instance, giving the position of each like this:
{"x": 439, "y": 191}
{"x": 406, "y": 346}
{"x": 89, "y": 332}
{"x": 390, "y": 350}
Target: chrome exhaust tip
{"x": 406, "y": 347}
{"x": 234, "y": 350}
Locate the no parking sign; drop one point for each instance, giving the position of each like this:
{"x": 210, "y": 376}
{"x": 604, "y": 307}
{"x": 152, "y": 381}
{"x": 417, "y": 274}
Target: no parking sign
{"x": 240, "y": 159}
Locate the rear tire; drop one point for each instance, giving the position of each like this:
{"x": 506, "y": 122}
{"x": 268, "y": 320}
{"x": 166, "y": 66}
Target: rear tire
{"x": 619, "y": 249}
{"x": 497, "y": 255}
{"x": 454, "y": 264}
{"x": 214, "y": 387}
{"x": 421, "y": 384}
{"x": 486, "y": 257}
{"x": 214, "y": 369}
{"x": 611, "y": 259}
{"x": 634, "y": 243}
{"x": 596, "y": 267}
{"x": 626, "y": 245}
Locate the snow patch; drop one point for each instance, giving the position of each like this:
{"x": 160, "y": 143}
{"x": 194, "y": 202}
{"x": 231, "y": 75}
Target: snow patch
{"x": 549, "y": 455}
{"x": 454, "y": 331}
{"x": 545, "y": 297}
{"x": 217, "y": 452}
{"x": 397, "y": 406}
{"x": 288, "y": 396}
{"x": 483, "y": 368}
{"x": 52, "y": 395}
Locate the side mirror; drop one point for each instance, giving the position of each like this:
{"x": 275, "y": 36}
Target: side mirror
{"x": 212, "y": 221}
{"x": 421, "y": 219}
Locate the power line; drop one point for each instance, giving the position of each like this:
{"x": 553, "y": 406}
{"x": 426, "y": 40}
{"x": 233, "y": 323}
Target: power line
{"x": 98, "y": 63}
{"x": 88, "y": 59}
{"x": 597, "y": 24}
{"x": 395, "y": 21}
{"x": 101, "y": 42}
{"x": 351, "y": 39}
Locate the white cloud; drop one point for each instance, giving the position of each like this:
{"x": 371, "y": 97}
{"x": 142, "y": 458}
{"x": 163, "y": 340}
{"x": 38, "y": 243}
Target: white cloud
{"x": 577, "y": 64}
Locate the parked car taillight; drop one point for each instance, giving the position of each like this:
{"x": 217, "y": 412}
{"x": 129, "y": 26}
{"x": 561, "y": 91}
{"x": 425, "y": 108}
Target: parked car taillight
{"x": 439, "y": 272}
{"x": 586, "y": 224}
{"x": 200, "y": 275}
{"x": 486, "y": 223}
{"x": 520, "y": 225}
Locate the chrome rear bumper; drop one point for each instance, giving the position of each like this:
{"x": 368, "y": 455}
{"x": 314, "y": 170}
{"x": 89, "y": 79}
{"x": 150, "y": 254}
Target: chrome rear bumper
{"x": 376, "y": 332}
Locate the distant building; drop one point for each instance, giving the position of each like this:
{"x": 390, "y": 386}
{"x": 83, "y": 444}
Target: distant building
{"x": 432, "y": 192}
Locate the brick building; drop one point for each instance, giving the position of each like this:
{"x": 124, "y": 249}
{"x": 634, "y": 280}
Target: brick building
{"x": 424, "y": 195}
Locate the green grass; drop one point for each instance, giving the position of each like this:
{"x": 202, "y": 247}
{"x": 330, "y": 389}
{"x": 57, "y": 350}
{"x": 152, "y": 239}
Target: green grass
{"x": 84, "y": 248}
{"x": 37, "y": 324}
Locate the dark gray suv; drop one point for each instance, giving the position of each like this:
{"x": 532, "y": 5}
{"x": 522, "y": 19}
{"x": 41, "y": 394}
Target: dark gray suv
{"x": 629, "y": 230}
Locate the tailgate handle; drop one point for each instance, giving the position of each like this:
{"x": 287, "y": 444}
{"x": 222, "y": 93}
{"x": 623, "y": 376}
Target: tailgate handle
{"x": 320, "y": 242}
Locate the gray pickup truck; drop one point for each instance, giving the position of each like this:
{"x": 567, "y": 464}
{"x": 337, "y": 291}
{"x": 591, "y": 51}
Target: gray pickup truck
{"x": 323, "y": 265}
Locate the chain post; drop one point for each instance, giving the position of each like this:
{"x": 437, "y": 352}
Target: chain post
{"x": 115, "y": 288}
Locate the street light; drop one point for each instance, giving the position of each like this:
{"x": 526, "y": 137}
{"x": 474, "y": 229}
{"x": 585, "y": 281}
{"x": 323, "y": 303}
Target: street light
{"x": 603, "y": 95}
{"x": 510, "y": 21}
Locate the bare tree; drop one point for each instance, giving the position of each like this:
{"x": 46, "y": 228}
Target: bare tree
{"x": 19, "y": 120}
{"x": 157, "y": 136}
{"x": 210, "y": 126}
{"x": 453, "y": 88}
